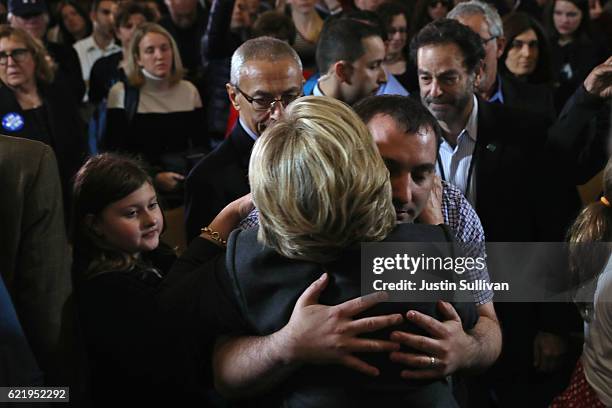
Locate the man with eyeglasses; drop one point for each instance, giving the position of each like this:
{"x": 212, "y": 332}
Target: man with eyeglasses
{"x": 266, "y": 75}
{"x": 485, "y": 21}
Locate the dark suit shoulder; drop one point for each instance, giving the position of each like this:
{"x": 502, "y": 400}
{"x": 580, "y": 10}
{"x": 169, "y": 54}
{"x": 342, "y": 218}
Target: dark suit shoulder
{"x": 233, "y": 152}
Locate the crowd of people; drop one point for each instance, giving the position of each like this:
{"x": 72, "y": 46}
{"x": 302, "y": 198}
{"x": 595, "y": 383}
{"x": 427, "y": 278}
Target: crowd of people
{"x": 289, "y": 133}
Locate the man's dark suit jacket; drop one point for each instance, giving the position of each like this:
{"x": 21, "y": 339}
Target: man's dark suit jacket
{"x": 507, "y": 174}
{"x": 520, "y": 197}
{"x": 252, "y": 290}
{"x": 217, "y": 180}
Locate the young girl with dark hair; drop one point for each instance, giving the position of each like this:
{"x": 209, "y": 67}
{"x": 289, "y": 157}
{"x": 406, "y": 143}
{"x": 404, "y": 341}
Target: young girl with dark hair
{"x": 118, "y": 263}
{"x": 591, "y": 267}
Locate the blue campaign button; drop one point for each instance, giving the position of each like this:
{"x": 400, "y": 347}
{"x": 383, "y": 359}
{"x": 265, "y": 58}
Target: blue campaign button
{"x": 12, "y": 122}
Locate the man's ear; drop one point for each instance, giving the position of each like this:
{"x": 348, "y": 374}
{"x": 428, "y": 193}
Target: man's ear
{"x": 92, "y": 16}
{"x": 501, "y": 45}
{"x": 479, "y": 74}
{"x": 231, "y": 93}
{"x": 343, "y": 71}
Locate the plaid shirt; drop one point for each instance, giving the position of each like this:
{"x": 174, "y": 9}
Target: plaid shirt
{"x": 461, "y": 217}
{"x": 459, "y": 214}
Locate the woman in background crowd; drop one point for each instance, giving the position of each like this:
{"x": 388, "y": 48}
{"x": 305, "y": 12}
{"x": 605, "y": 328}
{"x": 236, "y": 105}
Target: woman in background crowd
{"x": 308, "y": 24}
{"x": 526, "y": 56}
{"x": 526, "y": 59}
{"x": 394, "y": 16}
{"x": 574, "y": 53}
{"x": 156, "y": 113}
{"x": 73, "y": 23}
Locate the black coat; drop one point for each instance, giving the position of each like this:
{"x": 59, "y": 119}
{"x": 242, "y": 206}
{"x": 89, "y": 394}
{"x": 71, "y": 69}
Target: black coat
{"x": 217, "y": 180}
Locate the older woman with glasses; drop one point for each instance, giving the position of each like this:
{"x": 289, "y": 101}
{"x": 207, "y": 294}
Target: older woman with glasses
{"x": 33, "y": 106}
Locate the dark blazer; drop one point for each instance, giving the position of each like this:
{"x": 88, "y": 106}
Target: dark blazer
{"x": 217, "y": 180}
{"x": 509, "y": 146}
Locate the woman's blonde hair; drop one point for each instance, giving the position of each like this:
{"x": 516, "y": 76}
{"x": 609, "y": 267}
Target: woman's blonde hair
{"x": 133, "y": 70}
{"x": 319, "y": 182}
{"x": 44, "y": 70}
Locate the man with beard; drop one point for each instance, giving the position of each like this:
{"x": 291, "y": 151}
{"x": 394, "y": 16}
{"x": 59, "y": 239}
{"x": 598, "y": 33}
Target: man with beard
{"x": 266, "y": 75}
{"x": 497, "y": 157}
{"x": 349, "y": 57}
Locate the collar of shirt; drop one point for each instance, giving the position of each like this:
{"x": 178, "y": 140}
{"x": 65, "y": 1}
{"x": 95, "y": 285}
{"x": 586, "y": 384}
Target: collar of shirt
{"x": 248, "y": 131}
{"x": 392, "y": 86}
{"x": 316, "y": 91}
{"x": 498, "y": 96}
{"x": 90, "y": 45}
{"x": 470, "y": 130}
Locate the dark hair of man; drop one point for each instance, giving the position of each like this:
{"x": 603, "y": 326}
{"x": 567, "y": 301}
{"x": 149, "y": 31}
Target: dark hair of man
{"x": 342, "y": 40}
{"x": 409, "y": 115}
{"x": 516, "y": 24}
{"x": 445, "y": 31}
{"x": 271, "y": 23}
{"x": 367, "y": 17}
{"x": 128, "y": 9}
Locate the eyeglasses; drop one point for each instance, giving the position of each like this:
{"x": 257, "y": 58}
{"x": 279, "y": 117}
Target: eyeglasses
{"x": 486, "y": 40}
{"x": 18, "y": 55}
{"x": 265, "y": 103}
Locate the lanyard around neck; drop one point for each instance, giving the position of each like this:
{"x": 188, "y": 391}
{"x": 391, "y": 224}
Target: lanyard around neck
{"x": 470, "y": 170}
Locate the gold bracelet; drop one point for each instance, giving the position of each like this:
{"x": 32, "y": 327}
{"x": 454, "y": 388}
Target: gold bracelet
{"x": 214, "y": 235}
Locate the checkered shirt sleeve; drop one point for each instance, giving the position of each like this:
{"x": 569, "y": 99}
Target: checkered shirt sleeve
{"x": 463, "y": 220}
